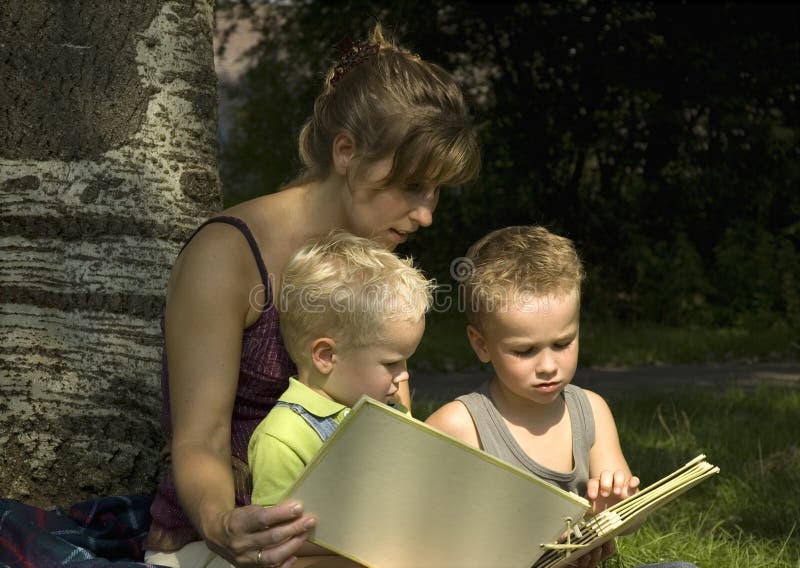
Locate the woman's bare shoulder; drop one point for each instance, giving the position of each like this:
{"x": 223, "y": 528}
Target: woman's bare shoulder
{"x": 216, "y": 245}
{"x": 215, "y": 268}
{"x": 276, "y": 221}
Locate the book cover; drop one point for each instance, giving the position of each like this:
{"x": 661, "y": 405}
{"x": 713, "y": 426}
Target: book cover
{"x": 392, "y": 492}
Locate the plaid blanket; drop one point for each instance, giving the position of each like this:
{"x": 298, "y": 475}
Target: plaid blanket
{"x": 104, "y": 532}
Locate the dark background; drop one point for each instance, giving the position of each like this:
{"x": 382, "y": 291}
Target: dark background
{"x": 662, "y": 138}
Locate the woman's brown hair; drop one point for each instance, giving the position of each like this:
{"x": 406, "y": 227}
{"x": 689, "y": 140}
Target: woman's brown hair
{"x": 392, "y": 103}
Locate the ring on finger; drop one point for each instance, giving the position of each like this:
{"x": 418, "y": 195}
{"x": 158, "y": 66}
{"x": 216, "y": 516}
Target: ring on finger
{"x": 260, "y": 562}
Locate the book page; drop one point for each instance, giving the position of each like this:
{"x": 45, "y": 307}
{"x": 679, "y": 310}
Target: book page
{"x": 392, "y": 492}
{"x": 629, "y": 512}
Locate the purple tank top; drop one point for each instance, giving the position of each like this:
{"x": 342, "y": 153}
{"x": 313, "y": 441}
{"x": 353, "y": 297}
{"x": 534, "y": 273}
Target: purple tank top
{"x": 264, "y": 372}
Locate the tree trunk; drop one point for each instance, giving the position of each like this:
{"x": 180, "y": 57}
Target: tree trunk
{"x": 108, "y": 159}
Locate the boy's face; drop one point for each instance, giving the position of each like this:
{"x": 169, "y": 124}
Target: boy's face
{"x": 375, "y": 370}
{"x": 532, "y": 345}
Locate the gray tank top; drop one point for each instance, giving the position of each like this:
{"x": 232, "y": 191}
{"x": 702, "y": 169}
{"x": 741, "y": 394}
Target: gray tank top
{"x": 497, "y": 440}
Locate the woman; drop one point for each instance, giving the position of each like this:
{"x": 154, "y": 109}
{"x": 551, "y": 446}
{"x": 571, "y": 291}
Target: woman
{"x": 387, "y": 131}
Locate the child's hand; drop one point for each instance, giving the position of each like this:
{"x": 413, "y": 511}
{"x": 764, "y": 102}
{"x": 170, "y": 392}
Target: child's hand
{"x": 593, "y": 558}
{"x": 610, "y": 488}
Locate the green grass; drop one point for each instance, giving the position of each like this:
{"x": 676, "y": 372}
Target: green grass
{"x": 612, "y": 343}
{"x": 749, "y": 515}
{"x": 445, "y": 346}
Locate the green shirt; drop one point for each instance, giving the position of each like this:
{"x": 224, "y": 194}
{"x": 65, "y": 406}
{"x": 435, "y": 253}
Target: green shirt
{"x": 283, "y": 443}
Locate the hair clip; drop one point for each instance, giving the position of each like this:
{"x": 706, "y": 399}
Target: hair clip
{"x": 350, "y": 55}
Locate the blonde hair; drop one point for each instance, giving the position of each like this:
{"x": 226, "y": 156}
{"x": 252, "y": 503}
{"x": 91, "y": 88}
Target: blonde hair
{"x": 515, "y": 263}
{"x": 346, "y": 287}
{"x": 393, "y": 104}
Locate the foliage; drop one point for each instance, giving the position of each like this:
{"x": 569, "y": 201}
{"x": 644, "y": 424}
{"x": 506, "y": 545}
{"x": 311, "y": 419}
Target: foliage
{"x": 662, "y": 138}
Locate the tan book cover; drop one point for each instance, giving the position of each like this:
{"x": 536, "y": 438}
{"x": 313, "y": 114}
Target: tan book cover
{"x": 391, "y": 492}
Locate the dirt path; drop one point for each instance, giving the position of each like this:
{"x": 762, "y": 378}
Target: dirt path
{"x": 609, "y": 381}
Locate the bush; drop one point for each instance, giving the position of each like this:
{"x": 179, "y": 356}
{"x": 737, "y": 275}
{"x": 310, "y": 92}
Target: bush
{"x": 758, "y": 278}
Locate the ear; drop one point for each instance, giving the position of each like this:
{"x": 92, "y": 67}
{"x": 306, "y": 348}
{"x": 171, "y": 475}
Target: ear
{"x": 478, "y": 343}
{"x": 322, "y": 351}
{"x": 344, "y": 149}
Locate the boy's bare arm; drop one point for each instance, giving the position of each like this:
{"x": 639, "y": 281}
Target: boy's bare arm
{"x": 610, "y": 477}
{"x": 454, "y": 419}
{"x": 606, "y": 453}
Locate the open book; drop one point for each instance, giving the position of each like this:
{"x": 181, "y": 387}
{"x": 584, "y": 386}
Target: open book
{"x": 392, "y": 492}
{"x": 605, "y": 525}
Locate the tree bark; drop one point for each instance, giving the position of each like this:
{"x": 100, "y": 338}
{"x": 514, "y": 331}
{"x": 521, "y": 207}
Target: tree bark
{"x": 108, "y": 159}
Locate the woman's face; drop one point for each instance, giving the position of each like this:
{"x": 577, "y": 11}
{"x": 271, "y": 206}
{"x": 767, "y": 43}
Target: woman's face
{"x": 388, "y": 214}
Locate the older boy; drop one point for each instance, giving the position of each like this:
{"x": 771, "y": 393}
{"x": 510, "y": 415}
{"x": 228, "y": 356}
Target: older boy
{"x": 523, "y": 307}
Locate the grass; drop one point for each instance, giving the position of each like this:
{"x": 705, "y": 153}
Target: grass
{"x": 612, "y": 343}
{"x": 749, "y": 515}
{"x": 445, "y": 347}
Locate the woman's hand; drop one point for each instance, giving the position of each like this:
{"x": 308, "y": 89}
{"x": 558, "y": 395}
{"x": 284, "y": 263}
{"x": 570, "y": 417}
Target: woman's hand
{"x": 262, "y": 536}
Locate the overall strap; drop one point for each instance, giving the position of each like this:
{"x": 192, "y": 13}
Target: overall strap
{"x": 324, "y": 427}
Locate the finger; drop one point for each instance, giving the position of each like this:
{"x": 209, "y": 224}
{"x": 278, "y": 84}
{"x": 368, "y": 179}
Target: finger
{"x": 619, "y": 482}
{"x": 281, "y": 555}
{"x": 254, "y": 518}
{"x": 592, "y": 488}
{"x": 584, "y": 561}
{"x": 270, "y": 537}
{"x": 606, "y": 483}
{"x": 607, "y": 549}
{"x": 591, "y": 559}
{"x": 597, "y": 556}
{"x": 631, "y": 487}
{"x": 276, "y": 515}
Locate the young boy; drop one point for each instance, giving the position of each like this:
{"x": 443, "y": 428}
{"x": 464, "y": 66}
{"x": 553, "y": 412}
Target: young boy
{"x": 351, "y": 314}
{"x": 523, "y": 304}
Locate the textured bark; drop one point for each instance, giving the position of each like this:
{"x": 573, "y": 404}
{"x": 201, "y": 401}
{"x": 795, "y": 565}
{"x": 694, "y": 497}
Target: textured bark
{"x": 107, "y": 162}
